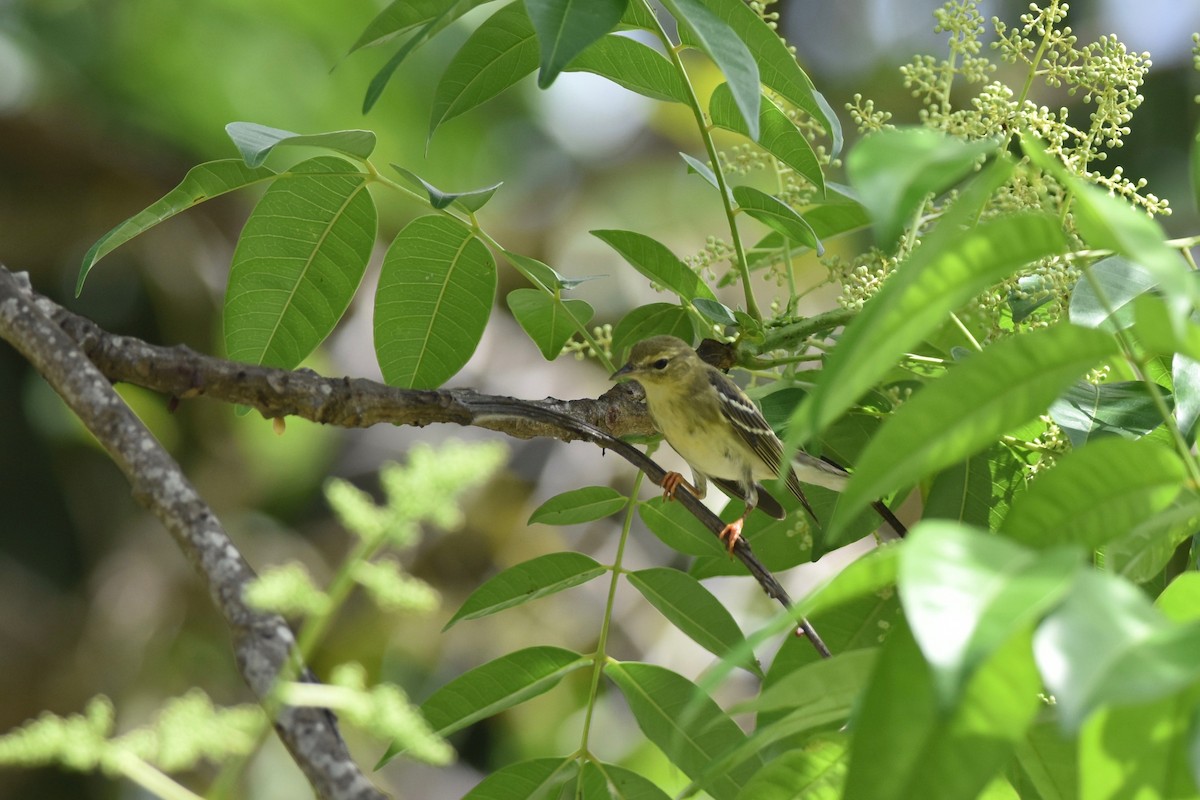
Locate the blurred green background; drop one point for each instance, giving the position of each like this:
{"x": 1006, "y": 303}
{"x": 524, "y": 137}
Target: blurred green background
{"x": 103, "y": 108}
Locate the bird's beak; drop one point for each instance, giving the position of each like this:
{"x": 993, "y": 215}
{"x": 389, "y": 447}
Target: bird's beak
{"x": 622, "y": 372}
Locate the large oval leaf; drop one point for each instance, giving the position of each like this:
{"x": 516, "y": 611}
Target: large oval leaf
{"x": 298, "y": 263}
{"x": 202, "y": 182}
{"x": 976, "y": 401}
{"x": 435, "y": 293}
{"x": 1096, "y": 493}
{"x": 645, "y": 321}
{"x": 629, "y": 63}
{"x": 549, "y": 320}
{"x": 939, "y": 277}
{"x": 538, "y": 577}
{"x": 655, "y": 260}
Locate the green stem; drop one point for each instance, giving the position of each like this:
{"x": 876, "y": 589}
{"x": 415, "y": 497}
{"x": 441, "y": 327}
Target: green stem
{"x": 965, "y": 332}
{"x": 1037, "y": 59}
{"x": 150, "y": 778}
{"x": 601, "y": 655}
{"x": 743, "y": 264}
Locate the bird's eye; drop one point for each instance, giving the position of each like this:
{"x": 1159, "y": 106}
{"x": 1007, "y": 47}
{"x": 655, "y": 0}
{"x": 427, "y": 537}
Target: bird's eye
{"x": 660, "y": 364}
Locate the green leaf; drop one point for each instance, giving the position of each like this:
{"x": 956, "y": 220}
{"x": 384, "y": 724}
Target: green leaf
{"x": 976, "y": 401}
{"x": 904, "y": 747}
{"x": 402, "y": 16}
{"x": 255, "y": 142}
{"x": 723, "y": 45}
{"x": 496, "y": 55}
{"x": 565, "y": 28}
{"x": 652, "y": 258}
{"x": 298, "y": 262}
{"x": 717, "y": 312}
{"x": 702, "y": 169}
{"x": 627, "y": 62}
{"x": 503, "y": 683}
{"x": 815, "y": 773}
{"x": 654, "y": 319}
{"x": 1048, "y": 760}
{"x": 549, "y": 321}
{"x": 691, "y": 608}
{"x": 579, "y": 505}
{"x": 1095, "y": 494}
{"x": 1107, "y": 645}
{"x": 675, "y": 526}
{"x": 840, "y": 212}
{"x": 894, "y": 171}
{"x": 941, "y": 275}
{"x": 777, "y": 65}
{"x": 778, "y": 135}
{"x": 434, "y": 297}
{"x": 535, "y": 779}
{"x": 538, "y": 577}
{"x": 629, "y": 785}
{"x": 962, "y": 492}
{"x": 1141, "y": 554}
{"x": 471, "y": 200}
{"x": 202, "y": 182}
{"x": 777, "y": 215}
{"x": 1088, "y": 411}
{"x": 1185, "y": 376}
{"x": 683, "y": 722}
{"x": 1120, "y": 282}
{"x": 543, "y": 274}
{"x": 965, "y": 593}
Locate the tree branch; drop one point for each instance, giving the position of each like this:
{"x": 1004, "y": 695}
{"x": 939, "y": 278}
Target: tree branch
{"x": 262, "y": 642}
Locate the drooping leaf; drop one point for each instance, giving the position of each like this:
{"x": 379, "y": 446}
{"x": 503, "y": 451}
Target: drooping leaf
{"x": 629, "y": 63}
{"x": 565, "y": 28}
{"x": 1141, "y": 554}
{"x": 539, "y": 273}
{"x": 1185, "y": 376}
{"x": 1095, "y": 494}
{"x": 975, "y": 402}
{"x": 433, "y": 301}
{"x": 1107, "y": 645}
{"x": 402, "y": 16}
{"x": 722, "y": 44}
{"x": 715, "y": 311}
{"x": 529, "y": 580}
{"x": 298, "y": 262}
{"x": 654, "y": 319}
{"x": 962, "y": 492}
{"x": 777, "y": 215}
{"x": 940, "y": 276}
{"x": 549, "y": 321}
{"x": 255, "y": 142}
{"x": 894, "y": 171}
{"x": 471, "y": 200}
{"x": 965, "y": 593}
{"x": 692, "y": 609}
{"x": 202, "y": 182}
{"x": 501, "y": 51}
{"x": 778, "y": 135}
{"x": 777, "y": 64}
{"x": 654, "y": 260}
{"x": 1088, "y": 411}
{"x": 683, "y": 722}
{"x": 579, "y": 505}
{"x": 816, "y": 772}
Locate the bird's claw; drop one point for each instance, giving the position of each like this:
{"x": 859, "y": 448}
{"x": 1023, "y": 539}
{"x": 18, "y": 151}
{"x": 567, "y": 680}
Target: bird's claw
{"x": 731, "y": 533}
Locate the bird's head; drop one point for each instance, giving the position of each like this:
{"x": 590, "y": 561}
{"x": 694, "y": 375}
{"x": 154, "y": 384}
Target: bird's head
{"x": 658, "y": 361}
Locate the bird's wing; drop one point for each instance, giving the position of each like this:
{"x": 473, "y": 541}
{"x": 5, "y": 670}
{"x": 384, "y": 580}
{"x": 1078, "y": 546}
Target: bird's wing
{"x": 766, "y": 503}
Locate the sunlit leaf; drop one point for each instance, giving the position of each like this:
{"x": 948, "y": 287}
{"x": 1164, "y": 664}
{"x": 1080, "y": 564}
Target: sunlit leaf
{"x": 202, "y": 182}
{"x": 815, "y": 772}
{"x": 1096, "y": 493}
{"x": 778, "y": 135}
{"x": 529, "y": 580}
{"x": 962, "y": 492}
{"x": 636, "y": 66}
{"x": 976, "y": 401}
{"x": 894, "y": 171}
{"x": 1119, "y": 282}
{"x": 433, "y": 301}
{"x": 939, "y": 277}
{"x": 1088, "y": 411}
{"x": 298, "y": 262}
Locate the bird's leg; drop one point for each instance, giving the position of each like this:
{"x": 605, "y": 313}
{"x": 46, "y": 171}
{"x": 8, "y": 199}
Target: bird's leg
{"x": 673, "y": 480}
{"x": 733, "y": 531}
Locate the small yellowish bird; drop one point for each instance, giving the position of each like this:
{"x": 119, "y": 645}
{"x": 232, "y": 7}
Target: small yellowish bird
{"x": 718, "y": 431}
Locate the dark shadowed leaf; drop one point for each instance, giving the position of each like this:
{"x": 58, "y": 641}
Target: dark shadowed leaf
{"x": 565, "y": 28}
{"x": 549, "y": 321}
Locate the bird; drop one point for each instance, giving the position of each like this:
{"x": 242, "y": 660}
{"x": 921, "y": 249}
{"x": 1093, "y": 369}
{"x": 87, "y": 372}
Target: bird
{"x": 719, "y": 431}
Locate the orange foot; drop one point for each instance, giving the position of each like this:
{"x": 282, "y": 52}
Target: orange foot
{"x": 671, "y": 483}
{"x": 731, "y": 534}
